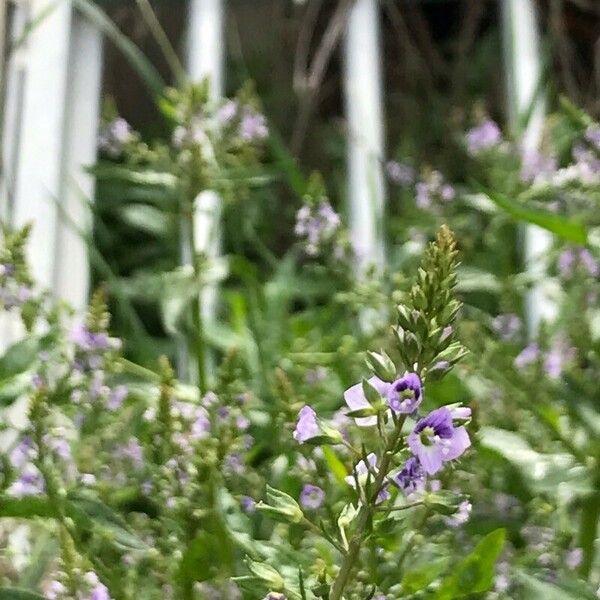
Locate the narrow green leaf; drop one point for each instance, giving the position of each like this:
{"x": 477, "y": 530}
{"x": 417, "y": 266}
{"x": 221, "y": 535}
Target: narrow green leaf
{"x": 475, "y": 573}
{"x": 132, "y": 53}
{"x": 567, "y": 229}
{"x": 18, "y": 594}
{"x": 335, "y": 465}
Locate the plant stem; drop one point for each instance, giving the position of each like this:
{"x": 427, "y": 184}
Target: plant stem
{"x": 590, "y": 514}
{"x": 364, "y": 515}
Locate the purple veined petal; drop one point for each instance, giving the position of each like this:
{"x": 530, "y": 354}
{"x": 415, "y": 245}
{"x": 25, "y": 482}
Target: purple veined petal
{"x": 456, "y": 445}
{"x": 429, "y": 456}
{"x": 311, "y": 497}
{"x": 307, "y": 426}
{"x": 406, "y": 394}
{"x": 356, "y": 400}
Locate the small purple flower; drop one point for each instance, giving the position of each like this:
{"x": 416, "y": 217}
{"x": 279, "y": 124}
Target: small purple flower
{"x": 536, "y": 166}
{"x": 356, "y": 400}
{"x": 406, "y": 394}
{"x": 233, "y": 464}
{"x": 307, "y": 426}
{"x": 556, "y": 358}
{"x": 116, "y": 397}
{"x": 248, "y": 504}
{"x": 592, "y": 135}
{"x": 30, "y": 483}
{"x": 23, "y": 452}
{"x": 411, "y": 478}
{"x": 201, "y": 425}
{"x": 317, "y": 224}
{"x": 447, "y": 192}
{"x": 253, "y": 126}
{"x": 311, "y": 497}
{"x": 400, "y": 173}
{"x": 507, "y": 326}
{"x": 55, "y": 590}
{"x": 484, "y": 136}
{"x": 461, "y": 516}
{"x": 423, "y": 197}
{"x": 114, "y": 136}
{"x": 527, "y": 356}
{"x": 132, "y": 451}
{"x": 435, "y": 440}
{"x": 227, "y": 112}
{"x": 275, "y": 596}
{"x": 573, "y": 558}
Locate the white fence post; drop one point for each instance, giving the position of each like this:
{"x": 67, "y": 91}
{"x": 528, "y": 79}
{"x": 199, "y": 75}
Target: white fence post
{"x": 364, "y": 114}
{"x": 32, "y": 134}
{"x": 205, "y": 58}
{"x": 523, "y": 71}
{"x": 71, "y": 274}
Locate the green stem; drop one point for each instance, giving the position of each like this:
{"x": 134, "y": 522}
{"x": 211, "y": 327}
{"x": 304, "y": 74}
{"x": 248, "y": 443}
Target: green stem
{"x": 590, "y": 514}
{"x": 366, "y": 511}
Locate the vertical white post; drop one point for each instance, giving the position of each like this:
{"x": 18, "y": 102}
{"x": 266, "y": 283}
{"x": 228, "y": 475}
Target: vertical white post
{"x": 38, "y": 164}
{"x": 205, "y": 58}
{"x": 523, "y": 71}
{"x": 364, "y": 114}
{"x": 71, "y": 273}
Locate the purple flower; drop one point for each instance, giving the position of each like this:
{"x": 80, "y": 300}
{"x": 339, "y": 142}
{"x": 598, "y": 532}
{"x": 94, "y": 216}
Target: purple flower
{"x": 528, "y": 355}
{"x": 233, "y": 464}
{"x": 227, "y": 111}
{"x": 317, "y": 224}
{"x": 132, "y": 451}
{"x": 570, "y": 258}
{"x": 253, "y": 126}
{"x": 592, "y": 135}
{"x": 274, "y": 596}
{"x": 55, "y": 590}
{"x": 559, "y": 354}
{"x": 356, "y": 400}
{"x": 311, "y": 497}
{"x": 405, "y": 394}
{"x": 411, "y": 478}
{"x": 30, "y": 483}
{"x": 536, "y": 166}
{"x": 116, "y": 397}
{"x": 23, "y": 452}
{"x": 248, "y": 504}
{"x": 400, "y": 173}
{"x": 114, "y": 136}
{"x": 484, "y": 136}
{"x": 461, "y": 516}
{"x": 573, "y": 558}
{"x": 307, "y": 426}
{"x": 507, "y": 326}
{"x": 423, "y": 198}
{"x": 435, "y": 440}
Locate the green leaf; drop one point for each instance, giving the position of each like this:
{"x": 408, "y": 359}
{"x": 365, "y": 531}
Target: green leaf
{"x": 19, "y": 357}
{"x": 147, "y": 218}
{"x": 27, "y": 507}
{"x": 418, "y": 579}
{"x": 336, "y": 466}
{"x": 18, "y": 594}
{"x": 541, "y": 590}
{"x": 569, "y": 230}
{"x": 541, "y": 472}
{"x": 371, "y": 393}
{"x": 475, "y": 573}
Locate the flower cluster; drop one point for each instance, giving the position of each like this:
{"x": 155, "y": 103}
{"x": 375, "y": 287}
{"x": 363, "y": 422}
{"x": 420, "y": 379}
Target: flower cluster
{"x": 483, "y": 137}
{"x": 15, "y": 281}
{"x": 317, "y": 226}
{"x": 433, "y": 188}
{"x": 115, "y": 136}
{"x": 95, "y": 360}
{"x": 386, "y": 403}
